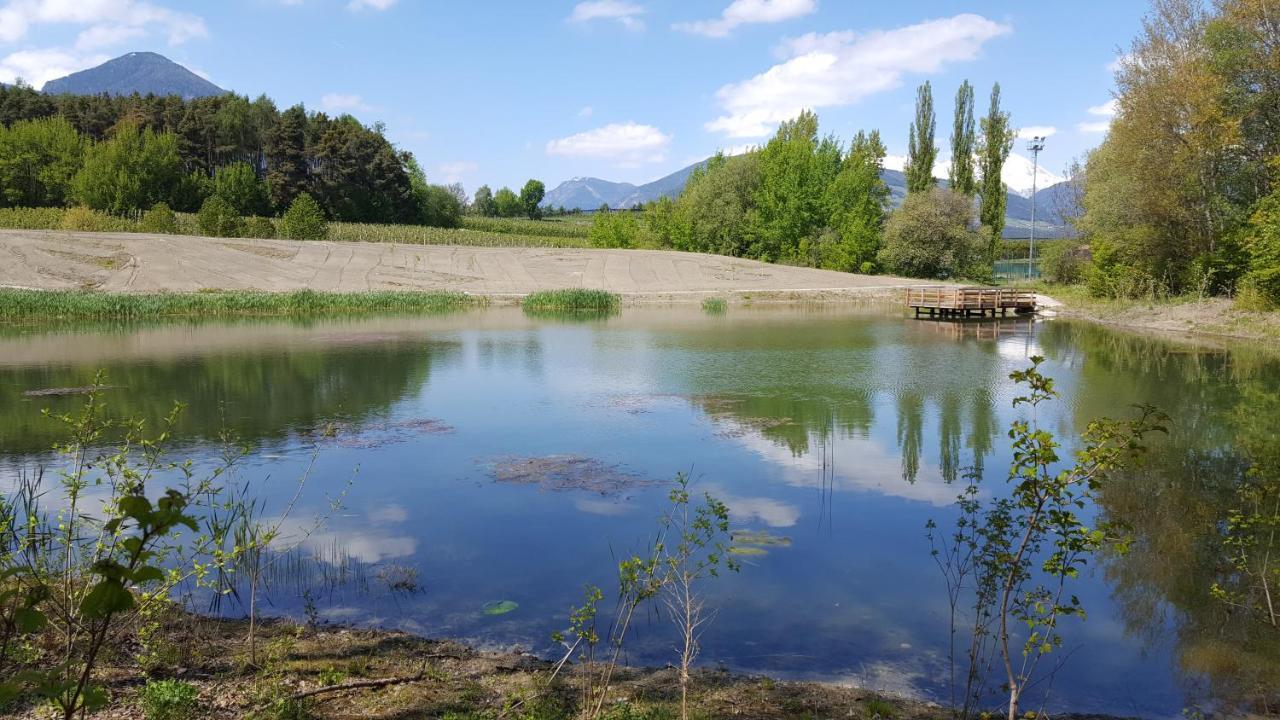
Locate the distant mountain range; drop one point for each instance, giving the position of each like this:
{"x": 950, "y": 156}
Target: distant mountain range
{"x": 138, "y": 72}
{"x": 587, "y": 193}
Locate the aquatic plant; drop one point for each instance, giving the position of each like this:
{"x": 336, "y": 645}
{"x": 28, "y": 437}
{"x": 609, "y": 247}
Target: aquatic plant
{"x": 571, "y": 300}
{"x": 715, "y": 306}
{"x": 500, "y": 607}
{"x": 19, "y": 304}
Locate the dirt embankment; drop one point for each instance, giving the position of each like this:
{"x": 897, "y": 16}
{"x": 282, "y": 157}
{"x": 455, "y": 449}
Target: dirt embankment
{"x": 1208, "y": 317}
{"x": 123, "y": 262}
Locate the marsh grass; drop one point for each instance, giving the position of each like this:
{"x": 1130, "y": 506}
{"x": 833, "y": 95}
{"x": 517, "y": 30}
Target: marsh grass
{"x": 572, "y": 299}
{"x": 715, "y": 306}
{"x": 17, "y": 304}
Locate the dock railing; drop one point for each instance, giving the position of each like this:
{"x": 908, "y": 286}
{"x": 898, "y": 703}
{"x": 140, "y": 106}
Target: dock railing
{"x": 969, "y": 301}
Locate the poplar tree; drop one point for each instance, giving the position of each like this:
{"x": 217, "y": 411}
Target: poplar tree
{"x": 921, "y": 152}
{"x": 993, "y": 150}
{"x": 963, "y": 143}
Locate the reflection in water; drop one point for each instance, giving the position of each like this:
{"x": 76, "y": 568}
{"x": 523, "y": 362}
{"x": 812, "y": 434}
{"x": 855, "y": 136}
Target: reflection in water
{"x": 841, "y": 429}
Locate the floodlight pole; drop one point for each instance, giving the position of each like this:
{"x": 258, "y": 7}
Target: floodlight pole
{"x": 1035, "y": 146}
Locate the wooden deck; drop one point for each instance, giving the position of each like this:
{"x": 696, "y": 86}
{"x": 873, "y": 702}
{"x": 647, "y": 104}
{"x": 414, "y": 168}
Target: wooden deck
{"x": 950, "y": 301}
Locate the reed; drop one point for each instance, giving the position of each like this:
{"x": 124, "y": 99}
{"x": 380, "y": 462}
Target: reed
{"x": 572, "y": 300}
{"x": 17, "y": 304}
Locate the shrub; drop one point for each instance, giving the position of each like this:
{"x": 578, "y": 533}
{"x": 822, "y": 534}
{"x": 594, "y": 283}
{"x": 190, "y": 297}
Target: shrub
{"x": 168, "y": 700}
{"x": 714, "y": 306}
{"x": 217, "y": 218}
{"x": 159, "y": 219}
{"x": 82, "y": 219}
{"x": 239, "y": 185}
{"x": 619, "y": 229}
{"x": 1251, "y": 299}
{"x": 929, "y": 237}
{"x": 260, "y": 227}
{"x": 1262, "y": 245}
{"x": 1062, "y": 262}
{"x": 304, "y": 220}
{"x": 31, "y": 218}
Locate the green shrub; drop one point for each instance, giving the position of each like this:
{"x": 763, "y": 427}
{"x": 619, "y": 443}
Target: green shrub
{"x": 1062, "y": 262}
{"x": 83, "y": 219}
{"x": 218, "y": 218}
{"x": 714, "y": 306}
{"x": 168, "y": 700}
{"x": 616, "y": 229}
{"x": 1251, "y": 298}
{"x": 304, "y": 220}
{"x": 929, "y": 237}
{"x": 159, "y": 219}
{"x": 260, "y": 227}
{"x": 867, "y": 268}
{"x": 31, "y": 218}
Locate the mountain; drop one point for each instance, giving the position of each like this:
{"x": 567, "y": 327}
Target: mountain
{"x": 588, "y": 193}
{"x": 138, "y": 72}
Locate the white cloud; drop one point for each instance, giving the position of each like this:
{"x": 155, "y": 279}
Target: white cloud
{"x": 357, "y": 5}
{"x": 101, "y": 36}
{"x": 628, "y": 144}
{"x": 587, "y": 111}
{"x": 343, "y": 103}
{"x": 745, "y": 12}
{"x": 1094, "y": 127}
{"x": 38, "y": 67}
{"x": 116, "y": 17}
{"x": 941, "y": 166}
{"x": 1107, "y": 109}
{"x": 455, "y": 171}
{"x": 1032, "y": 131}
{"x": 626, "y": 13}
{"x": 842, "y": 68}
{"x": 739, "y": 149}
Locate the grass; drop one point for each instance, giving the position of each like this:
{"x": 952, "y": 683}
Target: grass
{"x": 577, "y": 299}
{"x": 715, "y": 306}
{"x": 17, "y": 305}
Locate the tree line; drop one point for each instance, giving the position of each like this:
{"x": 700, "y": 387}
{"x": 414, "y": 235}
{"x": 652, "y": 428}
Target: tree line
{"x": 1183, "y": 194}
{"x": 127, "y": 154}
{"x": 804, "y": 198}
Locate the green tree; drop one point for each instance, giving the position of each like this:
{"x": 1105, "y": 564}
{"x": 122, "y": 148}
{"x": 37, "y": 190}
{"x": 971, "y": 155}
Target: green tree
{"x": 38, "y": 159}
{"x": 219, "y": 218}
{"x": 507, "y": 204}
{"x": 715, "y": 213}
{"x": 994, "y": 146}
{"x": 287, "y": 157}
{"x": 929, "y": 236}
{"x": 361, "y": 177}
{"x": 482, "y": 203}
{"x": 304, "y": 220}
{"x": 616, "y": 229}
{"x": 239, "y": 185}
{"x": 134, "y": 169}
{"x": 963, "y": 143}
{"x": 921, "y": 150}
{"x": 857, "y": 200}
{"x": 159, "y": 219}
{"x": 530, "y": 197}
{"x": 1262, "y": 244}
{"x": 795, "y": 168}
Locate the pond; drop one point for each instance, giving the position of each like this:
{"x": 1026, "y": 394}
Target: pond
{"x": 490, "y": 465}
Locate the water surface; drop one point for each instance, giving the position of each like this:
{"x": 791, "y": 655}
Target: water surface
{"x": 843, "y": 429}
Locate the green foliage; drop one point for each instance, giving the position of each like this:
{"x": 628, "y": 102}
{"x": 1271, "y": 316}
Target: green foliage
{"x": 618, "y": 229}
{"x": 259, "y": 227}
{"x": 219, "y": 218}
{"x": 507, "y": 204}
{"x": 83, "y": 219}
{"x": 857, "y": 202}
{"x": 531, "y": 196}
{"x": 921, "y": 150}
{"x": 38, "y": 159}
{"x": 304, "y": 220}
{"x": 132, "y": 170}
{"x": 286, "y": 145}
{"x": 31, "y": 218}
{"x": 715, "y": 306}
{"x": 1061, "y": 262}
{"x": 571, "y": 300}
{"x": 190, "y": 191}
{"x": 929, "y": 237}
{"x": 548, "y": 228}
{"x": 159, "y": 219}
{"x": 994, "y": 145}
{"x": 500, "y": 607}
{"x": 877, "y": 708}
{"x": 795, "y": 170}
{"x": 168, "y": 700}
{"x": 963, "y": 143}
{"x": 440, "y": 207}
{"x": 1262, "y": 245}
{"x": 363, "y": 179}
{"x": 483, "y": 204}
{"x": 239, "y": 185}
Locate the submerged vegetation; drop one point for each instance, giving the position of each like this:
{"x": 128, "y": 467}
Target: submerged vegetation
{"x": 26, "y": 305}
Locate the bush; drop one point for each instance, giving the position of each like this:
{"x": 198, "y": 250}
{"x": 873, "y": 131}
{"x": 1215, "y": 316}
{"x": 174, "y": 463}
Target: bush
{"x": 168, "y": 700}
{"x": 159, "y": 219}
{"x": 218, "y": 218}
{"x": 929, "y": 237}
{"x": 617, "y": 229}
{"x": 1062, "y": 262}
{"x": 31, "y": 218}
{"x": 1262, "y": 244}
{"x": 260, "y": 227}
{"x": 304, "y": 220}
{"x": 1252, "y": 299}
{"x": 239, "y": 185}
{"x": 82, "y": 219}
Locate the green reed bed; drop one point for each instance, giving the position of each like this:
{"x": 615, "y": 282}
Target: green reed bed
{"x": 77, "y": 304}
{"x": 573, "y": 299}
{"x": 715, "y": 306}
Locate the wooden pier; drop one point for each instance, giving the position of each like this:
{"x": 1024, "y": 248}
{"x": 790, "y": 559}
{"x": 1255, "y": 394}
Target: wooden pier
{"x": 963, "y": 302}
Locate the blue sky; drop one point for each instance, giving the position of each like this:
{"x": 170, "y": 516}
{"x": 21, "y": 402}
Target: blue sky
{"x": 496, "y": 92}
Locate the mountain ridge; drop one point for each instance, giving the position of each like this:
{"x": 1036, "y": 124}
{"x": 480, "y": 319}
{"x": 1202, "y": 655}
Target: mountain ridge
{"x": 144, "y": 73}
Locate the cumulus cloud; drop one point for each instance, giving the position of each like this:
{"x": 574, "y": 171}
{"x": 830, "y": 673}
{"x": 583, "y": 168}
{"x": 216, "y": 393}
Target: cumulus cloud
{"x": 747, "y": 12}
{"x": 17, "y": 17}
{"x": 626, "y": 13}
{"x": 38, "y": 67}
{"x": 838, "y": 69}
{"x": 343, "y": 103}
{"x": 1032, "y": 131}
{"x": 628, "y": 144}
{"x": 1106, "y": 109}
{"x": 455, "y": 171}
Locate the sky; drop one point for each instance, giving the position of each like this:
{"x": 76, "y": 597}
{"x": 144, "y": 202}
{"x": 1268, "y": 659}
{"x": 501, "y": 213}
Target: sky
{"x": 498, "y": 91}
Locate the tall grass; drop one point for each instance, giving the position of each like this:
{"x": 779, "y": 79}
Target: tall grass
{"x": 84, "y": 305}
{"x": 555, "y": 227}
{"x": 572, "y": 300}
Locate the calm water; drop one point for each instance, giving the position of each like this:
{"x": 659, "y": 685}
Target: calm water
{"x": 839, "y": 429}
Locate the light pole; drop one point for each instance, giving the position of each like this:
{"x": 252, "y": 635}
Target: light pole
{"x": 1035, "y": 146}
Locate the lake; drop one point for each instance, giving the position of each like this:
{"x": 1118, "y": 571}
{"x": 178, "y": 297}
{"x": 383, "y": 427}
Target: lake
{"x": 486, "y": 456}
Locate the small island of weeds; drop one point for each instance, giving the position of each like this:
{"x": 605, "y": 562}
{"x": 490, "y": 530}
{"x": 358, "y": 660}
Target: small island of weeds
{"x": 715, "y": 306}
{"x": 20, "y": 305}
{"x": 571, "y": 301}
